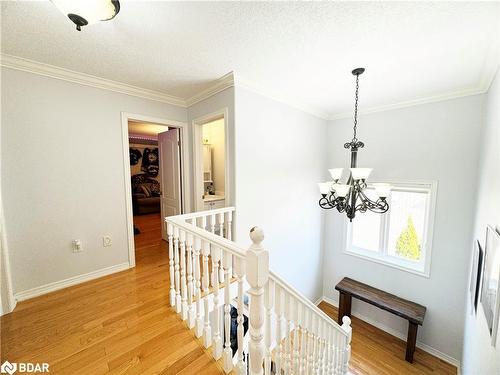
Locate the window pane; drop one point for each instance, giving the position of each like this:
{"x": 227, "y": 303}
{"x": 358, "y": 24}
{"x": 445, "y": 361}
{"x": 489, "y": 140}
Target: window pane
{"x": 406, "y": 226}
{"x": 366, "y": 231}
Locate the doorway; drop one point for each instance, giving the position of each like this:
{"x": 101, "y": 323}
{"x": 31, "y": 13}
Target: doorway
{"x": 154, "y": 181}
{"x": 211, "y": 173}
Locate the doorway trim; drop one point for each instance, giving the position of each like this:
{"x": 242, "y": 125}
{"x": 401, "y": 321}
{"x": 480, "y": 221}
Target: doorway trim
{"x": 197, "y": 162}
{"x": 185, "y": 163}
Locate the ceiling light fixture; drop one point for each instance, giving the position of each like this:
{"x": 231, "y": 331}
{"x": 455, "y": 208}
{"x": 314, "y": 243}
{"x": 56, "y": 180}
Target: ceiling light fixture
{"x": 87, "y": 12}
{"x": 351, "y": 196}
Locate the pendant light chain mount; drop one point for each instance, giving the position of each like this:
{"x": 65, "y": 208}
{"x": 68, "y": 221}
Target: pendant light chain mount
{"x": 355, "y": 143}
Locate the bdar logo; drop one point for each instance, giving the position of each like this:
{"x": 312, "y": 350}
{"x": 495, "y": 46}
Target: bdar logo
{"x": 8, "y": 368}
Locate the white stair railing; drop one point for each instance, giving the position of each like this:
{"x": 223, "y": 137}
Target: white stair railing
{"x": 210, "y": 274}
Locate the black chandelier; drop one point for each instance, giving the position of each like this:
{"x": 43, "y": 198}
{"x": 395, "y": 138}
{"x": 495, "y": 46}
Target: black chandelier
{"x": 351, "y": 197}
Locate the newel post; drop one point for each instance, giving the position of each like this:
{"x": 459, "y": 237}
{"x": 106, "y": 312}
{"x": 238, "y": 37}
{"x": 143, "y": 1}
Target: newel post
{"x": 257, "y": 277}
{"x": 346, "y": 326}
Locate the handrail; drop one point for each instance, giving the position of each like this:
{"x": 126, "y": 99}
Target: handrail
{"x": 198, "y": 214}
{"x": 205, "y": 235}
{"x": 306, "y": 301}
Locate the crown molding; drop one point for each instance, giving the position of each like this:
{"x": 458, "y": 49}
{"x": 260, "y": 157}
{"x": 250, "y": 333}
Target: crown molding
{"x": 231, "y": 79}
{"x": 219, "y": 85}
{"x": 411, "y": 103}
{"x": 19, "y": 63}
{"x": 488, "y": 72}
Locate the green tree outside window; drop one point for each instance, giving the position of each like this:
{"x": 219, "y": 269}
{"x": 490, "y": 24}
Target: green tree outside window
{"x": 408, "y": 245}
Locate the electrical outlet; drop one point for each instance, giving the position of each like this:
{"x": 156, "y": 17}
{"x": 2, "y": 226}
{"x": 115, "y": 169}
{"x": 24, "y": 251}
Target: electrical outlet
{"x": 106, "y": 241}
{"x": 77, "y": 246}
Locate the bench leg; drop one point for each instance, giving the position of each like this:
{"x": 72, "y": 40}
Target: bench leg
{"x": 411, "y": 341}
{"x": 344, "y": 306}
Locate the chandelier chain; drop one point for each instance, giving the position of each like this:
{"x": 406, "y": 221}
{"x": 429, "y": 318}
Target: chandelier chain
{"x": 354, "y": 139}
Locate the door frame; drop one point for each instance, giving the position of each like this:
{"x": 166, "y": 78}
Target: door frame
{"x": 197, "y": 156}
{"x": 184, "y": 168}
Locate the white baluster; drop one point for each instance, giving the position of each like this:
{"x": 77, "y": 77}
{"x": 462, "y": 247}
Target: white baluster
{"x": 190, "y": 287}
{"x": 340, "y": 348}
{"x": 279, "y": 329}
{"x": 215, "y": 253}
{"x": 207, "y": 334}
{"x": 212, "y": 223}
{"x": 336, "y": 353}
{"x": 329, "y": 366}
{"x": 197, "y": 285}
{"x": 204, "y": 222}
{"x": 178, "y": 303}
{"x": 182, "y": 248}
{"x": 321, "y": 344}
{"x": 227, "y": 260}
{"x": 303, "y": 336}
{"x": 288, "y": 334}
{"x": 221, "y": 224}
{"x": 269, "y": 301}
{"x": 229, "y": 226}
{"x": 221, "y": 233}
{"x": 310, "y": 343}
{"x": 346, "y": 326}
{"x": 316, "y": 344}
{"x": 170, "y": 231}
{"x": 239, "y": 269}
{"x": 295, "y": 314}
{"x": 257, "y": 276}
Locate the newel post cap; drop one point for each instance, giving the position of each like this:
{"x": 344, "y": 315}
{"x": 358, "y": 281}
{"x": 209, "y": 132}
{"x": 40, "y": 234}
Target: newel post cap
{"x": 257, "y": 260}
{"x": 257, "y": 236}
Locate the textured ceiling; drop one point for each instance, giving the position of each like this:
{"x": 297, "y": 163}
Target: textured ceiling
{"x": 301, "y": 51}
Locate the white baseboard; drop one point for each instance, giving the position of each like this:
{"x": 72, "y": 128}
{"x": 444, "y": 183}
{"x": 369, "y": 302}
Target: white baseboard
{"x": 51, "y": 287}
{"x": 400, "y": 335}
{"x": 318, "y": 301}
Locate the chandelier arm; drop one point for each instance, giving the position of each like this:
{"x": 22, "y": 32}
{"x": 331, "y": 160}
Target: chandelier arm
{"x": 378, "y": 206}
{"x": 325, "y": 203}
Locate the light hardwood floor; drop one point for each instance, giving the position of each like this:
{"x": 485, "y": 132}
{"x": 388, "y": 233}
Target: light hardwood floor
{"x": 377, "y": 352}
{"x": 122, "y": 324}
{"x": 119, "y": 324}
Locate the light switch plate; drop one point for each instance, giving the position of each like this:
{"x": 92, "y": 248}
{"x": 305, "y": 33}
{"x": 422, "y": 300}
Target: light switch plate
{"x": 77, "y": 246}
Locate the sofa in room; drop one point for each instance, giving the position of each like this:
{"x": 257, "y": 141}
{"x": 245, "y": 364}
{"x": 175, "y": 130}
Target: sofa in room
{"x": 145, "y": 194}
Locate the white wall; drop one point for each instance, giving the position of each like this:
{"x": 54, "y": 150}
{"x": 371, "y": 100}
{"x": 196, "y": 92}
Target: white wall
{"x": 280, "y": 157}
{"x": 437, "y": 141}
{"x": 76, "y": 130}
{"x": 479, "y": 356}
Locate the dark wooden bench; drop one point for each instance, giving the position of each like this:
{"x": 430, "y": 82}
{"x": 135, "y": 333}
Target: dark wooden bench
{"x": 411, "y": 311}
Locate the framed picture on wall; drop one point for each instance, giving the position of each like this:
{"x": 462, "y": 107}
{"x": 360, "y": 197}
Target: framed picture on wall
{"x": 491, "y": 282}
{"x": 475, "y": 274}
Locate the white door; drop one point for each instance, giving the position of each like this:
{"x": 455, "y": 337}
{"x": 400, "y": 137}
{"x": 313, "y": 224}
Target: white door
{"x": 170, "y": 175}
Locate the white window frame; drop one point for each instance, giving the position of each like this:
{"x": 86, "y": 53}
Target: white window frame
{"x": 381, "y": 256}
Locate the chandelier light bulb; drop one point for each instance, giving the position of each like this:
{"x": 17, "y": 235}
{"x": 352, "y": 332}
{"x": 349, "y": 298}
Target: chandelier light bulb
{"x": 360, "y": 173}
{"x": 324, "y": 187}
{"x": 341, "y": 189}
{"x": 336, "y": 173}
{"x": 382, "y": 190}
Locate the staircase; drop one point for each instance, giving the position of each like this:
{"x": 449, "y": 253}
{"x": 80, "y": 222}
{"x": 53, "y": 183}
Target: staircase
{"x": 212, "y": 277}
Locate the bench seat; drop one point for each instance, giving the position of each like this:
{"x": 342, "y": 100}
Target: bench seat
{"x": 411, "y": 311}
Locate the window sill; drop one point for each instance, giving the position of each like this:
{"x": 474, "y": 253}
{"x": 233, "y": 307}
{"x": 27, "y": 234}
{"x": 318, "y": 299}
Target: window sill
{"x": 387, "y": 261}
